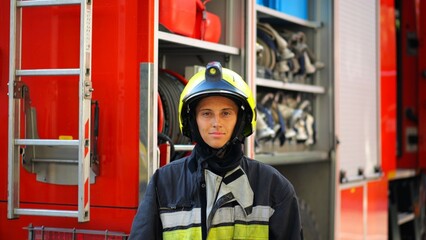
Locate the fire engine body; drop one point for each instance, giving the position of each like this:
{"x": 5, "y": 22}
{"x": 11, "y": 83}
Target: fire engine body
{"x": 51, "y": 40}
{"x": 123, "y": 47}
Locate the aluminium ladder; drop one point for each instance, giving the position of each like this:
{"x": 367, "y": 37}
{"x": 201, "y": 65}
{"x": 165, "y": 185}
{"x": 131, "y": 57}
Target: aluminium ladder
{"x": 16, "y": 90}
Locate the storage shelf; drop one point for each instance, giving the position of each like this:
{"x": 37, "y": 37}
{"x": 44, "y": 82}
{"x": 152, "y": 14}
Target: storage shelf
{"x": 292, "y": 157}
{"x": 402, "y": 174}
{"x": 179, "y": 42}
{"x": 289, "y": 86}
{"x": 404, "y": 217}
{"x": 266, "y": 12}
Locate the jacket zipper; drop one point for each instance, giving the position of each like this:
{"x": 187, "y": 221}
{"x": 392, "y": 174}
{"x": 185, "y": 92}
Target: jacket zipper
{"x": 203, "y": 198}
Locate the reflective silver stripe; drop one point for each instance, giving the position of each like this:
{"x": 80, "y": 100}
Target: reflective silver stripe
{"x": 241, "y": 189}
{"x": 213, "y": 182}
{"x": 232, "y": 214}
{"x": 181, "y": 218}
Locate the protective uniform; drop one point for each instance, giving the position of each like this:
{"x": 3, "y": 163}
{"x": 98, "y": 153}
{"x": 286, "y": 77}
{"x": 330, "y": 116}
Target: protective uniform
{"x": 218, "y": 193}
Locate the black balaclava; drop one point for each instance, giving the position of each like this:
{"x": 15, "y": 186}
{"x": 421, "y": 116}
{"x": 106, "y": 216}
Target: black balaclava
{"x": 226, "y": 158}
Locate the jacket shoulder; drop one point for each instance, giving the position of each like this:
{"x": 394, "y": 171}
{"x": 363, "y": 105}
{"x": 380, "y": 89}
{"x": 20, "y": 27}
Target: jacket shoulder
{"x": 261, "y": 175}
{"x": 257, "y": 167}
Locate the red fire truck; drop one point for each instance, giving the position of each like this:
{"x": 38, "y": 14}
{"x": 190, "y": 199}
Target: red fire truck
{"x": 81, "y": 117}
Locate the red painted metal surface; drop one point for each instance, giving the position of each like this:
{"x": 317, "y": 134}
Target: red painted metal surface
{"x": 122, "y": 39}
{"x": 4, "y": 75}
{"x": 408, "y": 70}
{"x": 422, "y": 84}
{"x": 377, "y": 209}
{"x": 145, "y": 30}
{"x": 364, "y": 211}
{"x": 115, "y": 79}
{"x": 351, "y": 225}
{"x": 388, "y": 85}
{"x": 102, "y": 218}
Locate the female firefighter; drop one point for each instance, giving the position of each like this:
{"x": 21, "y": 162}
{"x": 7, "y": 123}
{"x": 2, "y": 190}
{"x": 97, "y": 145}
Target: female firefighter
{"x": 217, "y": 192}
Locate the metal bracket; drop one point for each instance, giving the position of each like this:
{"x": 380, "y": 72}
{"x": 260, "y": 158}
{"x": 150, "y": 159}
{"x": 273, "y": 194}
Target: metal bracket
{"x": 19, "y": 89}
{"x": 88, "y": 90}
{"x": 51, "y": 164}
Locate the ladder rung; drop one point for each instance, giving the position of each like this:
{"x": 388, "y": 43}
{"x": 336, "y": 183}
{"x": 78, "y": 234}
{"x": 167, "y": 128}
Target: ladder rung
{"x": 48, "y": 160}
{"x": 55, "y": 230}
{"x": 45, "y": 212}
{"x": 48, "y": 72}
{"x": 36, "y": 3}
{"x": 184, "y": 147}
{"x": 46, "y": 142}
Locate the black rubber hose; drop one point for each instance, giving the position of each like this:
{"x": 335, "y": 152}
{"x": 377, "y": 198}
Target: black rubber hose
{"x": 163, "y": 138}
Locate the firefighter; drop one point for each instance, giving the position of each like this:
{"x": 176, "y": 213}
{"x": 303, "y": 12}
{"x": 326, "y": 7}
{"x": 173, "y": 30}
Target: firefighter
{"x": 217, "y": 192}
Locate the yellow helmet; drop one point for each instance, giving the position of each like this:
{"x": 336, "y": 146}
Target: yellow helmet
{"x": 218, "y": 81}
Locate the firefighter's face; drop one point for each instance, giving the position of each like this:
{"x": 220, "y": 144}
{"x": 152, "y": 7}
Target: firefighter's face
{"x": 216, "y": 118}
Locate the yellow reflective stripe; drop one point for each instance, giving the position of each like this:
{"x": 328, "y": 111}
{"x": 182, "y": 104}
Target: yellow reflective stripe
{"x": 239, "y": 231}
{"x": 183, "y": 234}
{"x": 223, "y": 233}
{"x": 254, "y": 231}
{"x": 228, "y": 223}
